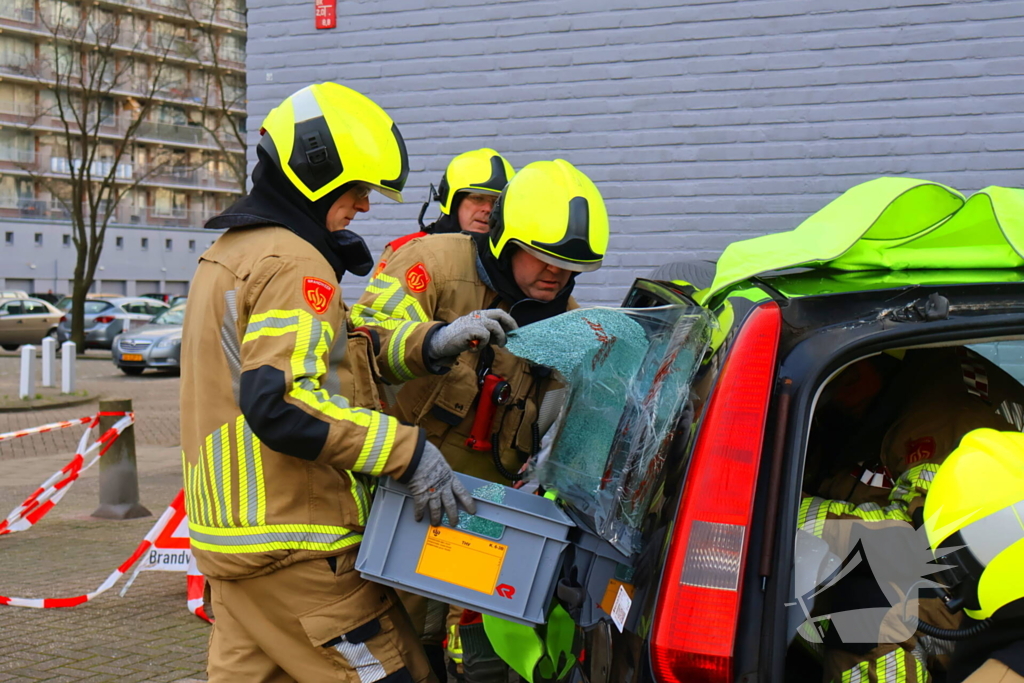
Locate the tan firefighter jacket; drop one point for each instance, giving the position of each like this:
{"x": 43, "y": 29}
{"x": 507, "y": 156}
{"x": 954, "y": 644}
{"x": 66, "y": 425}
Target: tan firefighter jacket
{"x": 950, "y": 392}
{"x": 432, "y": 278}
{"x": 277, "y": 463}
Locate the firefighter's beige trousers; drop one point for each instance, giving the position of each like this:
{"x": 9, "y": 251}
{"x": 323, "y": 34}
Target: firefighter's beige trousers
{"x": 309, "y": 624}
{"x": 994, "y": 671}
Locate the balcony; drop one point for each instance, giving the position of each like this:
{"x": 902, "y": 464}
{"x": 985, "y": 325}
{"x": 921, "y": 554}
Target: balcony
{"x": 98, "y": 169}
{"x": 13, "y": 157}
{"x": 17, "y": 112}
{"x": 190, "y": 177}
{"x": 16, "y": 64}
{"x": 35, "y": 208}
{"x": 200, "y": 11}
{"x": 16, "y": 11}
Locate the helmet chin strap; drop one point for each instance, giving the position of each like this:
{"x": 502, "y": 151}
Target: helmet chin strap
{"x": 432, "y": 196}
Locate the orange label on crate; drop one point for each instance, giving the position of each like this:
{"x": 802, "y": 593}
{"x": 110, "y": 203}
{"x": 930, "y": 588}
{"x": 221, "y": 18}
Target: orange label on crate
{"x": 612, "y": 591}
{"x": 461, "y": 559}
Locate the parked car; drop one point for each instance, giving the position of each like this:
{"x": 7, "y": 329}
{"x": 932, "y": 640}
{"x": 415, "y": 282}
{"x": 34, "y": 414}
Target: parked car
{"x": 13, "y": 294}
{"x": 180, "y": 299}
{"x": 166, "y": 298}
{"x": 26, "y": 321}
{"x": 718, "y": 590}
{"x": 155, "y": 345}
{"x": 107, "y": 318}
{"x": 65, "y": 302}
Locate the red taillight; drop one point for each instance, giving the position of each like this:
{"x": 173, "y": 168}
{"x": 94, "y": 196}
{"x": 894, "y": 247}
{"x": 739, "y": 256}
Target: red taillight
{"x": 698, "y": 607}
{"x": 104, "y": 319}
{"x": 63, "y": 318}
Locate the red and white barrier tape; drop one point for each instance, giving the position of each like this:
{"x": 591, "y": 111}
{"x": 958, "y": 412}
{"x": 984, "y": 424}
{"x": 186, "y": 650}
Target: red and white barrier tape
{"x": 53, "y": 489}
{"x": 47, "y": 603}
{"x": 46, "y": 428}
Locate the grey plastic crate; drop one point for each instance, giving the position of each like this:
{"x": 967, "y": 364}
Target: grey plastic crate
{"x": 512, "y": 576}
{"x": 590, "y": 565}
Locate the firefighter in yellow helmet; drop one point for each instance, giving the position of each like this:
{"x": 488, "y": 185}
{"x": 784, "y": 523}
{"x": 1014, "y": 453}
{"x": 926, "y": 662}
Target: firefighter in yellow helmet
{"x": 469, "y": 187}
{"x": 548, "y": 225}
{"x": 278, "y": 464}
{"x": 907, "y": 417}
{"x": 974, "y": 517}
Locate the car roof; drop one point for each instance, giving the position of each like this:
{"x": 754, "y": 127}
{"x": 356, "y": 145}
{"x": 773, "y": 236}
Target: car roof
{"x": 133, "y": 300}
{"x": 49, "y": 307}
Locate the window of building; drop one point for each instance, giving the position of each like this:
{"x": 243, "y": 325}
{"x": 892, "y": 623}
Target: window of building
{"x": 9, "y": 239}
{"x": 17, "y": 99}
{"x": 170, "y": 204}
{"x": 168, "y": 245}
{"x": 119, "y": 242}
{"x": 191, "y": 245}
{"x": 66, "y": 240}
{"x": 145, "y": 243}
{"x": 16, "y": 53}
{"x": 39, "y": 239}
{"x": 16, "y": 146}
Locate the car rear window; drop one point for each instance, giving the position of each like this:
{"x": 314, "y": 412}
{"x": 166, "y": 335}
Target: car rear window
{"x": 97, "y": 306}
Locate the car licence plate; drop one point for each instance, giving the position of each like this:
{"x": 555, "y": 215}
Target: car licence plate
{"x": 131, "y": 356}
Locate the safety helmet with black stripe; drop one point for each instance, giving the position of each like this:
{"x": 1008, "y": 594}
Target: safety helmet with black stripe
{"x": 973, "y": 517}
{"x": 553, "y": 211}
{"x": 480, "y": 171}
{"x": 326, "y": 136}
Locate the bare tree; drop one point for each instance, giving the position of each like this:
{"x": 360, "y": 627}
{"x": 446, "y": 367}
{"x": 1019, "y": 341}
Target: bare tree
{"x": 91, "y": 64}
{"x": 221, "y": 92}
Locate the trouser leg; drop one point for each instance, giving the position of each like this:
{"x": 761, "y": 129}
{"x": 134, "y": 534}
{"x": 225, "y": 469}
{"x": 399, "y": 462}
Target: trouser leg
{"x": 315, "y": 623}
{"x": 994, "y": 671}
{"x": 233, "y": 654}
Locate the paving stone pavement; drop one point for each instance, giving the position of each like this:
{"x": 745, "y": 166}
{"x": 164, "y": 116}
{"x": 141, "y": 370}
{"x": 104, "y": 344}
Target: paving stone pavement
{"x": 154, "y": 397}
{"x": 148, "y": 636}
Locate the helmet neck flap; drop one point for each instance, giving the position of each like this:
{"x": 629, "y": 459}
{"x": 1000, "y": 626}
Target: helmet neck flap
{"x": 497, "y": 274}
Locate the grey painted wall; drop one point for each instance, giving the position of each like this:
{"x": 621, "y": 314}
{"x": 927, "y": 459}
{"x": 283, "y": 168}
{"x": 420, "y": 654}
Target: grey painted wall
{"x": 701, "y": 121}
{"x": 128, "y": 269}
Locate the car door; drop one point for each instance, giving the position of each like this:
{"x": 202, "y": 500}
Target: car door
{"x": 37, "y": 320}
{"x": 14, "y": 328}
{"x": 8, "y": 324}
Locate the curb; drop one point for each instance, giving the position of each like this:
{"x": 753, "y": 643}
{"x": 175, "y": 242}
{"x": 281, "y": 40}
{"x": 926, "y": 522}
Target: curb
{"x": 31, "y": 405}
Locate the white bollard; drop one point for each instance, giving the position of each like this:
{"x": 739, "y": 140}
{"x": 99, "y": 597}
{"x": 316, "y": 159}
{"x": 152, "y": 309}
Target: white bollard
{"x": 49, "y": 362}
{"x": 67, "y": 367}
{"x": 27, "y": 388}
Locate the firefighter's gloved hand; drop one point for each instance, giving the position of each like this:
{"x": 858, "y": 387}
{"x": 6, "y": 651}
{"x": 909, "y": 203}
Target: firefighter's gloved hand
{"x": 473, "y": 330}
{"x": 436, "y": 488}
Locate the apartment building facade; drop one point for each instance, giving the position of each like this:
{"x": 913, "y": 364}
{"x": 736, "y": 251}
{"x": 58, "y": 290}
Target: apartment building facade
{"x": 180, "y": 67}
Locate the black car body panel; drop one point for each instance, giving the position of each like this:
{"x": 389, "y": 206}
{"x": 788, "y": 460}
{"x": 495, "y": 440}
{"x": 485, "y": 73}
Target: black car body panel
{"x": 821, "y": 334}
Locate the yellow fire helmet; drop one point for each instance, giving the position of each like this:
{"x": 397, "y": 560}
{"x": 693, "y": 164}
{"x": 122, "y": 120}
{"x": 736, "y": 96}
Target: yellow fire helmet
{"x": 481, "y": 171}
{"x": 327, "y": 135}
{"x": 552, "y": 210}
{"x": 975, "y": 506}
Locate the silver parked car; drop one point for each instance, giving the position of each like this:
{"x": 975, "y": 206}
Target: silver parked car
{"x": 26, "y": 321}
{"x": 156, "y": 345}
{"x": 107, "y": 318}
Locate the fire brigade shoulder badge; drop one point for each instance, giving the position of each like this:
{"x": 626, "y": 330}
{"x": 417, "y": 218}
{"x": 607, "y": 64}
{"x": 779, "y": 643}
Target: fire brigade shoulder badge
{"x": 417, "y": 278}
{"x": 920, "y": 449}
{"x": 318, "y": 293}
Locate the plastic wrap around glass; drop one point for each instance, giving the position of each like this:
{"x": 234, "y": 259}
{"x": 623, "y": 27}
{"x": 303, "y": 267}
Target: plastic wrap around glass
{"x": 629, "y": 374}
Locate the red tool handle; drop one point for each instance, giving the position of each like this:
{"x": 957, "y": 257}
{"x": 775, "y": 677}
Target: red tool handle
{"x": 483, "y": 424}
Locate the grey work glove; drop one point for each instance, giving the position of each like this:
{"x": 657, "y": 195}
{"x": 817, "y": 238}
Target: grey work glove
{"x": 435, "y": 487}
{"x": 471, "y": 331}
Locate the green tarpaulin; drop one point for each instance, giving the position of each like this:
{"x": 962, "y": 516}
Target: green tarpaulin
{"x": 890, "y": 224}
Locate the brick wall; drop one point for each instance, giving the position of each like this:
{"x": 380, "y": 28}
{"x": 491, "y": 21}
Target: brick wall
{"x": 701, "y": 121}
